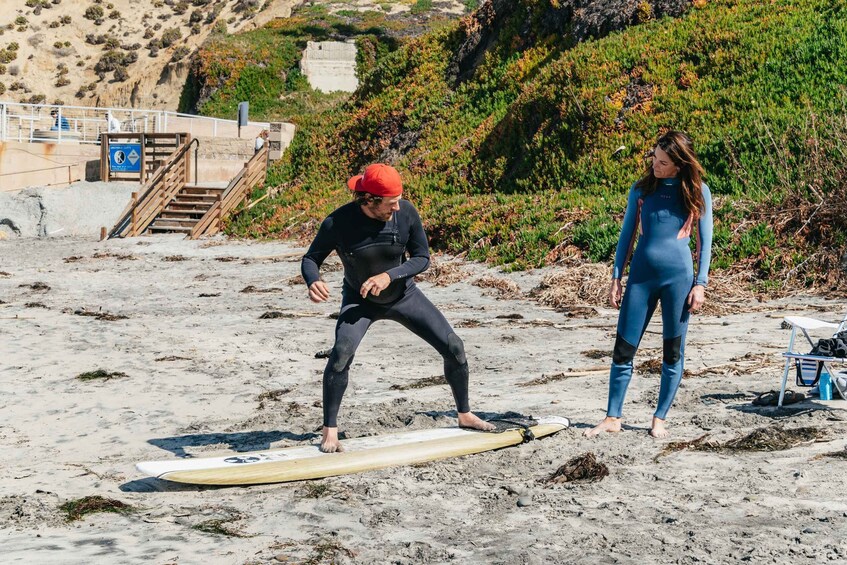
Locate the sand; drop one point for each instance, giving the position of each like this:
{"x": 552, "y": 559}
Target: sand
{"x": 197, "y": 360}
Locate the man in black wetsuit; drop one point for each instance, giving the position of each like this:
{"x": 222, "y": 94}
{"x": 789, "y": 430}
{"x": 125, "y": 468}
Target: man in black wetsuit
{"x": 372, "y": 235}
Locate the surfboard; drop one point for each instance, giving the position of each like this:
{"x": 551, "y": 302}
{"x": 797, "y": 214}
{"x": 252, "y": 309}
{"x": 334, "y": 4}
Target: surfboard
{"x": 361, "y": 454}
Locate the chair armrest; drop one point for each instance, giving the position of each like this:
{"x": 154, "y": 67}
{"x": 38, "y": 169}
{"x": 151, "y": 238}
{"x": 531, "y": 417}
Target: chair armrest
{"x": 808, "y": 323}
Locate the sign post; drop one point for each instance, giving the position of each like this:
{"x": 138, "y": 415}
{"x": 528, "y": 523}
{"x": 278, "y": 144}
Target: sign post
{"x": 243, "y": 108}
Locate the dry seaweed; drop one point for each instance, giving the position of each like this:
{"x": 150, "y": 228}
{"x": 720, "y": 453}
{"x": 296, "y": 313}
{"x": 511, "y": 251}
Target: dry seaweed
{"x": 421, "y": 383}
{"x": 100, "y": 315}
{"x": 76, "y": 509}
{"x": 100, "y": 374}
{"x": 72, "y": 259}
{"x": 118, "y": 256}
{"x": 272, "y": 395}
{"x": 583, "y": 468}
{"x": 569, "y": 374}
{"x": 208, "y": 295}
{"x": 37, "y": 286}
{"x": 597, "y": 353}
{"x": 173, "y": 358}
{"x": 467, "y": 324}
{"x": 773, "y": 438}
{"x": 832, "y": 455}
{"x": 253, "y": 289}
{"x": 226, "y": 259}
{"x": 34, "y": 305}
{"x": 171, "y": 258}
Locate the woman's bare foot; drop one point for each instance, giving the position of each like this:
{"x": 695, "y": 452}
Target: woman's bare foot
{"x": 657, "y": 429}
{"x": 471, "y": 420}
{"x": 329, "y": 441}
{"x": 608, "y": 424}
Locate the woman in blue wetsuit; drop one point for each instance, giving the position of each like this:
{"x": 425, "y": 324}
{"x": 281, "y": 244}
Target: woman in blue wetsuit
{"x": 668, "y": 203}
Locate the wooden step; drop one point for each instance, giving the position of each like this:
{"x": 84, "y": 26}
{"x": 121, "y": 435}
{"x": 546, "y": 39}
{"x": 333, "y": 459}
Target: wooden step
{"x": 201, "y": 190}
{"x": 169, "y": 223}
{"x": 154, "y": 229}
{"x": 193, "y": 202}
{"x": 174, "y": 206}
{"x": 184, "y": 215}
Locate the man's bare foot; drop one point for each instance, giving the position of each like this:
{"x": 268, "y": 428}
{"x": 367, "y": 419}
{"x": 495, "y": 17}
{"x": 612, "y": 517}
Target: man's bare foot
{"x": 329, "y": 441}
{"x": 608, "y": 424}
{"x": 471, "y": 420}
{"x": 658, "y": 430}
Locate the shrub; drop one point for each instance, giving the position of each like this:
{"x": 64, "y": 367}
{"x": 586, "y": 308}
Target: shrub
{"x": 170, "y": 36}
{"x": 93, "y": 13}
{"x": 180, "y": 53}
{"x": 63, "y": 81}
{"x": 114, "y": 15}
{"x": 121, "y": 74}
{"x": 421, "y": 6}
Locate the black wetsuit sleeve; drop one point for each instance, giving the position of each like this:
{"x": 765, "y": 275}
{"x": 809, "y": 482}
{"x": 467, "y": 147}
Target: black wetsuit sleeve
{"x": 323, "y": 244}
{"x": 417, "y": 247}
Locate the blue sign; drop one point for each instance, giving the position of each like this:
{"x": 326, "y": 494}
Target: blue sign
{"x": 125, "y": 157}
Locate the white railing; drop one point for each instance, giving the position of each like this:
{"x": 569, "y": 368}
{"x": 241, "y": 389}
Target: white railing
{"x": 48, "y": 123}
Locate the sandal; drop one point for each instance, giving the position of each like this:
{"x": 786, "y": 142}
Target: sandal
{"x": 770, "y": 398}
{"x": 792, "y": 397}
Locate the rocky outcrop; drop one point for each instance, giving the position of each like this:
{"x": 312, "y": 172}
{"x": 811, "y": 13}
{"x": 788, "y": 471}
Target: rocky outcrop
{"x": 573, "y": 20}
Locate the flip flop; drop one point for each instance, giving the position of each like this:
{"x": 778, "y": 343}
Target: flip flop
{"x": 770, "y": 398}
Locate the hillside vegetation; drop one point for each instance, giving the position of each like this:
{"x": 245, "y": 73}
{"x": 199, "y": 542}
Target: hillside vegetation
{"x": 506, "y": 125}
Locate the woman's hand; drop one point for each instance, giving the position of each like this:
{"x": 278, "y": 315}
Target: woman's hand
{"x": 375, "y": 285}
{"x": 696, "y": 298}
{"x": 615, "y": 293}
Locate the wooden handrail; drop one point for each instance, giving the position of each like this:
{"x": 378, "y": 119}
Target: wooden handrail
{"x": 253, "y": 174}
{"x": 157, "y": 193}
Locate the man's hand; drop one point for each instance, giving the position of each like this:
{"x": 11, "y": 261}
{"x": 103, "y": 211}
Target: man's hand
{"x": 318, "y": 292}
{"x": 375, "y": 285}
{"x": 615, "y": 292}
{"x": 696, "y": 298}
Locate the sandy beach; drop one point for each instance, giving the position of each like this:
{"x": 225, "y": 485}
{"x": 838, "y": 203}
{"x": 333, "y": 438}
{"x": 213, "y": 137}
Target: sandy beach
{"x": 202, "y": 373}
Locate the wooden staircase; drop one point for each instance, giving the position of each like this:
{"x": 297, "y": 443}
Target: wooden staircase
{"x": 187, "y": 208}
{"x": 169, "y": 204}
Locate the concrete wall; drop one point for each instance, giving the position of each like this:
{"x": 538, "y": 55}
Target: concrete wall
{"x": 330, "y": 65}
{"x": 78, "y": 210}
{"x": 45, "y": 164}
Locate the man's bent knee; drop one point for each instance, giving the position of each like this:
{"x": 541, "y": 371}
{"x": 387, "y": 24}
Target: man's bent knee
{"x": 457, "y": 348}
{"x": 342, "y": 355}
{"x": 624, "y": 351}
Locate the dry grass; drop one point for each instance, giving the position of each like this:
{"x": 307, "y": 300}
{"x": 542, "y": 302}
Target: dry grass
{"x": 504, "y": 288}
{"x": 586, "y": 284}
{"x": 443, "y": 274}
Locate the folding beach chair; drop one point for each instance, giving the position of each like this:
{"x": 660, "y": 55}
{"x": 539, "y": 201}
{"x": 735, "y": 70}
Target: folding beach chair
{"x": 809, "y": 367}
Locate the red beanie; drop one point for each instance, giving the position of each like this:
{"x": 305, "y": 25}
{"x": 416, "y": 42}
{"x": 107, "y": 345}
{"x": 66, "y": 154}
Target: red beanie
{"x": 379, "y": 180}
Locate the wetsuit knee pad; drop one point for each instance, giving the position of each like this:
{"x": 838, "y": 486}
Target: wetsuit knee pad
{"x": 624, "y": 351}
{"x": 671, "y": 349}
{"x": 457, "y": 348}
{"x": 342, "y": 355}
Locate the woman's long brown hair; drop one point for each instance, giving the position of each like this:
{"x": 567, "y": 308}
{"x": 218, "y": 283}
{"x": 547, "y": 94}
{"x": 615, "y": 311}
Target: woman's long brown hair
{"x": 679, "y": 148}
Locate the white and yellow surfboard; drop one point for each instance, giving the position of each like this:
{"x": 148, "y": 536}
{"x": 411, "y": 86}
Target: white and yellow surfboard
{"x": 361, "y": 454}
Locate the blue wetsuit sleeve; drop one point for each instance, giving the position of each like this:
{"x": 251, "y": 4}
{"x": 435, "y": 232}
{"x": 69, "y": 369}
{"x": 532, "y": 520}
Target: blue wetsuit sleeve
{"x": 417, "y": 247}
{"x": 705, "y": 227}
{"x": 630, "y": 221}
{"x": 319, "y": 250}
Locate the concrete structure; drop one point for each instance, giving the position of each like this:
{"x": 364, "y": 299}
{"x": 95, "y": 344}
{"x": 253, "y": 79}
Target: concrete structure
{"x": 80, "y": 209}
{"x": 330, "y": 65}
